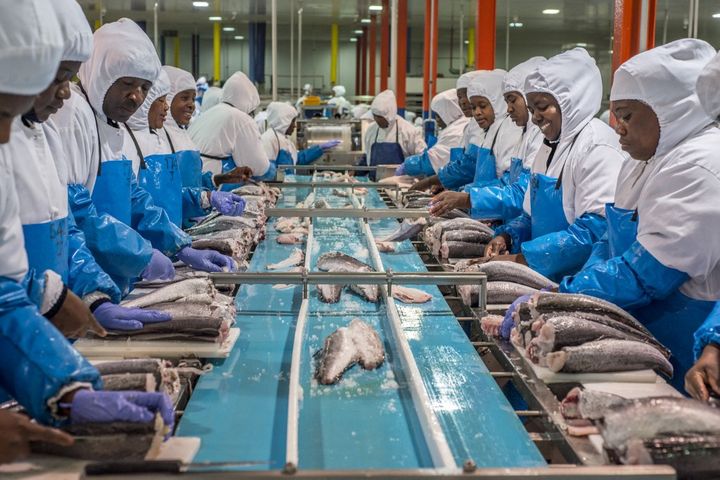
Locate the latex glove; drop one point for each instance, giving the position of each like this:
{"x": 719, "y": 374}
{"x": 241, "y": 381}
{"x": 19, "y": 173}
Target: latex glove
{"x": 74, "y": 319}
{"x": 400, "y": 170}
{"x": 508, "y": 322}
{"x": 328, "y": 145}
{"x": 206, "y": 260}
{"x": 115, "y": 317}
{"x": 159, "y": 268}
{"x": 227, "y": 203}
{"x": 18, "y": 431}
{"x": 704, "y": 377}
{"x": 89, "y": 406}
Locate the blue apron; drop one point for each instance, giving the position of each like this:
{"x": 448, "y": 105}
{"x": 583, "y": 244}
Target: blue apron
{"x": 46, "y": 245}
{"x": 190, "y": 165}
{"x": 113, "y": 189}
{"x": 485, "y": 165}
{"x": 672, "y": 319}
{"x": 389, "y": 153}
{"x": 228, "y": 164}
{"x": 546, "y": 205}
{"x": 516, "y": 169}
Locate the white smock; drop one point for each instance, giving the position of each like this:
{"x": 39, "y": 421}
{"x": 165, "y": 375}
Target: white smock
{"x": 445, "y": 105}
{"x": 408, "y": 137}
{"x": 280, "y": 116}
{"x": 343, "y": 106}
{"x": 707, "y": 87}
{"x": 180, "y": 80}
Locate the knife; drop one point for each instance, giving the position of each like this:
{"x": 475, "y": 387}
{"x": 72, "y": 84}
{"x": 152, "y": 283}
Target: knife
{"x": 162, "y": 466}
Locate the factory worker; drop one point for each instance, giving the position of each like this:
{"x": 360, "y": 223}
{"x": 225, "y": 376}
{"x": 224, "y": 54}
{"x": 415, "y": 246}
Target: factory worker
{"x": 452, "y": 123}
{"x": 410, "y": 116}
{"x": 343, "y": 106}
{"x": 58, "y": 388}
{"x": 210, "y": 99}
{"x": 261, "y": 121}
{"x": 661, "y": 257}
{"x": 359, "y": 111}
{"x": 227, "y": 137}
{"x": 504, "y": 200}
{"x": 573, "y": 174}
{"x": 278, "y": 143}
{"x": 391, "y": 138}
{"x": 201, "y": 88}
{"x": 307, "y": 91}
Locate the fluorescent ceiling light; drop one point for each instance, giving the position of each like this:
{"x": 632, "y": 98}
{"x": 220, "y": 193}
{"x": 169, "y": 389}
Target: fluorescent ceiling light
{"x": 583, "y": 45}
{"x": 353, "y": 39}
{"x": 516, "y": 24}
{"x": 551, "y": 11}
{"x": 365, "y": 20}
{"x": 239, "y": 37}
{"x": 215, "y": 19}
{"x": 228, "y": 29}
{"x": 716, "y": 15}
{"x": 359, "y": 32}
{"x": 201, "y": 4}
{"x": 467, "y": 42}
{"x": 375, "y": 8}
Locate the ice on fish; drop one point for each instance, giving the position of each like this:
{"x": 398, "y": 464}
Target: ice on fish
{"x": 410, "y": 295}
{"x": 342, "y": 263}
{"x": 356, "y": 343}
{"x": 296, "y": 258}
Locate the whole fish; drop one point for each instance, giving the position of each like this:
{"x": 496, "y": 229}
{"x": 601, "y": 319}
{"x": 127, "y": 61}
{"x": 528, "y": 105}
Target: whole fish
{"x": 410, "y": 295}
{"x": 142, "y": 382}
{"x": 471, "y": 265}
{"x": 409, "y": 228}
{"x": 179, "y": 310}
{"x": 192, "y": 286}
{"x": 450, "y": 249}
{"x": 498, "y": 293}
{"x": 501, "y": 271}
{"x": 346, "y": 346}
{"x": 418, "y": 203}
{"x": 590, "y": 404}
{"x": 609, "y": 356}
{"x": 467, "y": 236}
{"x": 694, "y": 456}
{"x": 340, "y": 262}
{"x": 222, "y": 223}
{"x": 296, "y": 258}
{"x": 200, "y": 326}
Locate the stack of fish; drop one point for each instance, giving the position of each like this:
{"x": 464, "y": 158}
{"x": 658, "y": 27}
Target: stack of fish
{"x": 458, "y": 238}
{"x": 141, "y": 374}
{"x": 676, "y": 431}
{"x": 506, "y": 281}
{"x": 582, "y": 334}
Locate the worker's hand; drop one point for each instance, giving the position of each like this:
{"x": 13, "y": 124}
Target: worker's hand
{"x": 399, "y": 171}
{"x": 329, "y": 145}
{"x": 497, "y": 246}
{"x": 89, "y": 406}
{"x": 74, "y": 319}
{"x": 18, "y": 431}
{"x": 207, "y": 260}
{"x": 159, "y": 268}
{"x": 115, "y": 317}
{"x": 435, "y": 189}
{"x": 425, "y": 184}
{"x": 515, "y": 258}
{"x": 236, "y": 175}
{"x": 227, "y": 203}
{"x": 705, "y": 373}
{"x": 446, "y": 201}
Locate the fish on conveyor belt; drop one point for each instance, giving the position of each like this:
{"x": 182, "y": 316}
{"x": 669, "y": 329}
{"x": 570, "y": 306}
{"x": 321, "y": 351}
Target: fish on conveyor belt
{"x": 222, "y": 222}
{"x": 455, "y": 213}
{"x": 433, "y": 234}
{"x": 609, "y": 356}
{"x": 290, "y": 238}
{"x": 502, "y": 271}
{"x": 344, "y": 193}
{"x": 342, "y": 263}
{"x": 471, "y": 265}
{"x": 329, "y": 293}
{"x": 357, "y": 343}
{"x": 449, "y": 249}
{"x": 467, "y": 236}
{"x": 195, "y": 329}
{"x": 140, "y": 382}
{"x": 409, "y": 228}
{"x": 590, "y": 404}
{"x": 173, "y": 292}
{"x": 226, "y": 246}
{"x": 498, "y": 293}
{"x": 181, "y": 310}
{"x": 296, "y": 258}
{"x": 693, "y": 456}
{"x": 410, "y": 295}
{"x": 287, "y": 225}
{"x": 322, "y": 203}
{"x": 385, "y": 247}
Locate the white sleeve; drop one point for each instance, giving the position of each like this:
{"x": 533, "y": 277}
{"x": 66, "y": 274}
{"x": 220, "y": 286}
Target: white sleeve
{"x": 270, "y": 144}
{"x": 13, "y": 259}
{"x": 248, "y": 150}
{"x": 595, "y": 176}
{"x": 439, "y": 154}
{"x": 417, "y": 143}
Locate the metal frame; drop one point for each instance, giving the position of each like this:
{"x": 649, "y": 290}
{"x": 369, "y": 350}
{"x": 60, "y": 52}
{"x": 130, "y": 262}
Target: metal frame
{"x": 371, "y": 213}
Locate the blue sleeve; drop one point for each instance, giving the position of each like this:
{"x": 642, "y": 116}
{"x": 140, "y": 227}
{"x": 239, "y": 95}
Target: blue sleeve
{"x": 309, "y": 155}
{"x": 207, "y": 181}
{"x": 269, "y": 175}
{"x": 192, "y": 202}
{"x": 459, "y": 170}
{"x": 153, "y": 223}
{"x": 118, "y": 249}
{"x": 518, "y": 229}
{"x": 709, "y": 332}
{"x": 562, "y": 253}
{"x": 630, "y": 281}
{"x": 600, "y": 252}
{"x": 34, "y": 285}
{"x": 504, "y": 201}
{"x": 85, "y": 276}
{"x": 36, "y": 361}
{"x": 417, "y": 165}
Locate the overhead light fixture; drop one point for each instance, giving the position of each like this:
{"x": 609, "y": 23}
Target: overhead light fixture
{"x": 358, "y": 32}
{"x": 228, "y": 29}
{"x": 716, "y": 15}
{"x": 582, "y": 44}
{"x": 215, "y": 19}
{"x": 516, "y": 24}
{"x": 551, "y": 11}
{"x": 239, "y": 37}
{"x": 353, "y": 39}
{"x": 201, "y": 4}
{"x": 375, "y": 8}
{"x": 365, "y": 20}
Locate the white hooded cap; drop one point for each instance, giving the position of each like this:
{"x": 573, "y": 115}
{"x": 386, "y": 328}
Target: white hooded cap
{"x": 445, "y": 104}
{"x": 338, "y": 90}
{"x": 280, "y": 115}
{"x": 75, "y": 30}
{"x": 161, "y": 86}
{"x": 31, "y": 45}
{"x": 707, "y": 87}
{"x": 358, "y": 111}
{"x": 514, "y": 80}
{"x": 210, "y": 98}
{"x": 488, "y": 84}
{"x": 241, "y": 93}
{"x": 307, "y": 88}
{"x": 664, "y": 78}
{"x": 180, "y": 80}
{"x": 121, "y": 49}
{"x": 384, "y": 105}
{"x": 466, "y": 79}
{"x": 573, "y": 78}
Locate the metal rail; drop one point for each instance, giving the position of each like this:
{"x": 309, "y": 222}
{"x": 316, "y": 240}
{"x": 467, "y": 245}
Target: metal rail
{"x": 349, "y": 168}
{"x": 372, "y": 213}
{"x": 326, "y": 184}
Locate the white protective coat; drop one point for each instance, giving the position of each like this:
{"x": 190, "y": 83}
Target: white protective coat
{"x": 212, "y": 97}
{"x": 12, "y": 241}
{"x": 180, "y": 80}
{"x": 261, "y": 121}
{"x": 677, "y": 191}
{"x": 445, "y": 105}
{"x": 280, "y": 116}
{"x": 409, "y": 139}
{"x": 503, "y": 132}
{"x": 514, "y": 81}
{"x": 707, "y": 87}
{"x": 343, "y": 106}
{"x": 228, "y": 129}
{"x": 590, "y": 169}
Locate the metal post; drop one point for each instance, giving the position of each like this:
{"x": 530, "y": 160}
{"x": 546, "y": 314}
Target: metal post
{"x": 274, "y": 49}
{"x": 334, "y": 45}
{"x": 155, "y": 25}
{"x": 292, "y": 48}
{"x": 300, "y": 12}
{"x": 485, "y": 35}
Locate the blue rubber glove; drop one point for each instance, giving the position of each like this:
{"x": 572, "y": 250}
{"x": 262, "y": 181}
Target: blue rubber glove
{"x": 508, "y": 322}
{"x": 328, "y": 145}
{"x": 115, "y": 317}
{"x": 400, "y": 170}
{"x": 89, "y": 406}
{"x": 227, "y": 203}
{"x": 206, "y": 260}
{"x": 159, "y": 268}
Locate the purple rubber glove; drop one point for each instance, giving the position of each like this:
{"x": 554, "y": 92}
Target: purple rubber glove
{"x": 89, "y": 406}
{"x": 227, "y": 203}
{"x": 328, "y": 145}
{"x": 159, "y": 268}
{"x": 206, "y": 260}
{"x": 115, "y": 317}
{"x": 508, "y": 323}
{"x": 400, "y": 170}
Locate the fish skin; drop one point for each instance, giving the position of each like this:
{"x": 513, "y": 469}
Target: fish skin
{"x": 143, "y": 382}
{"x": 175, "y": 291}
{"x": 358, "y": 342}
{"x": 222, "y": 223}
{"x": 296, "y": 258}
{"x": 409, "y": 228}
{"x": 455, "y": 213}
{"x": 467, "y": 236}
{"x": 503, "y": 271}
{"x": 385, "y": 247}
{"x": 567, "y": 331}
{"x": 290, "y": 238}
{"x": 410, "y": 295}
{"x": 590, "y": 404}
{"x": 451, "y": 249}
{"x": 181, "y": 310}
{"x": 433, "y": 234}
{"x": 329, "y": 293}
{"x": 692, "y": 456}
{"x": 506, "y": 292}
{"x": 609, "y": 356}
{"x": 226, "y": 246}
{"x": 342, "y": 263}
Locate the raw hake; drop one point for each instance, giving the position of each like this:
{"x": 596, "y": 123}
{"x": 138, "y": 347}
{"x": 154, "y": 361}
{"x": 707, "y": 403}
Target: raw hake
{"x": 175, "y": 291}
{"x": 329, "y": 293}
{"x": 342, "y": 263}
{"x": 141, "y": 382}
{"x": 502, "y": 271}
{"x": 452, "y": 249}
{"x": 409, "y": 228}
{"x": 467, "y": 236}
{"x": 589, "y": 404}
{"x": 385, "y": 247}
{"x": 410, "y": 295}
{"x": 346, "y": 346}
{"x": 296, "y": 258}
{"x": 290, "y": 238}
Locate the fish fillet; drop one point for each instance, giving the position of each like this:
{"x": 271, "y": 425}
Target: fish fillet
{"x": 356, "y": 343}
{"x": 410, "y": 295}
{"x": 295, "y": 258}
{"x": 175, "y": 291}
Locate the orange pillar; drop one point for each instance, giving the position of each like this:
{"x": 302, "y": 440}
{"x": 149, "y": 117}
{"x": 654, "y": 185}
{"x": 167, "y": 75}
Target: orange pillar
{"x": 363, "y": 65}
{"x": 384, "y": 45}
{"x": 401, "y": 67}
{"x": 485, "y": 35}
{"x": 426, "y": 59}
{"x": 373, "y": 51}
{"x": 627, "y": 27}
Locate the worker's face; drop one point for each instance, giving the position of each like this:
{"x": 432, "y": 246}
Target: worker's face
{"x": 440, "y": 122}
{"x": 482, "y": 111}
{"x": 183, "y": 107}
{"x": 158, "y": 113}
{"x": 291, "y": 128}
{"x": 517, "y": 108}
{"x": 464, "y": 102}
{"x": 381, "y": 121}
{"x": 51, "y": 100}
{"x": 124, "y": 97}
{"x": 545, "y": 114}
{"x": 10, "y": 107}
{"x": 638, "y": 127}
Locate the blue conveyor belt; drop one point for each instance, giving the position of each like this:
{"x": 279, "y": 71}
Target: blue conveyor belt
{"x": 368, "y": 419}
